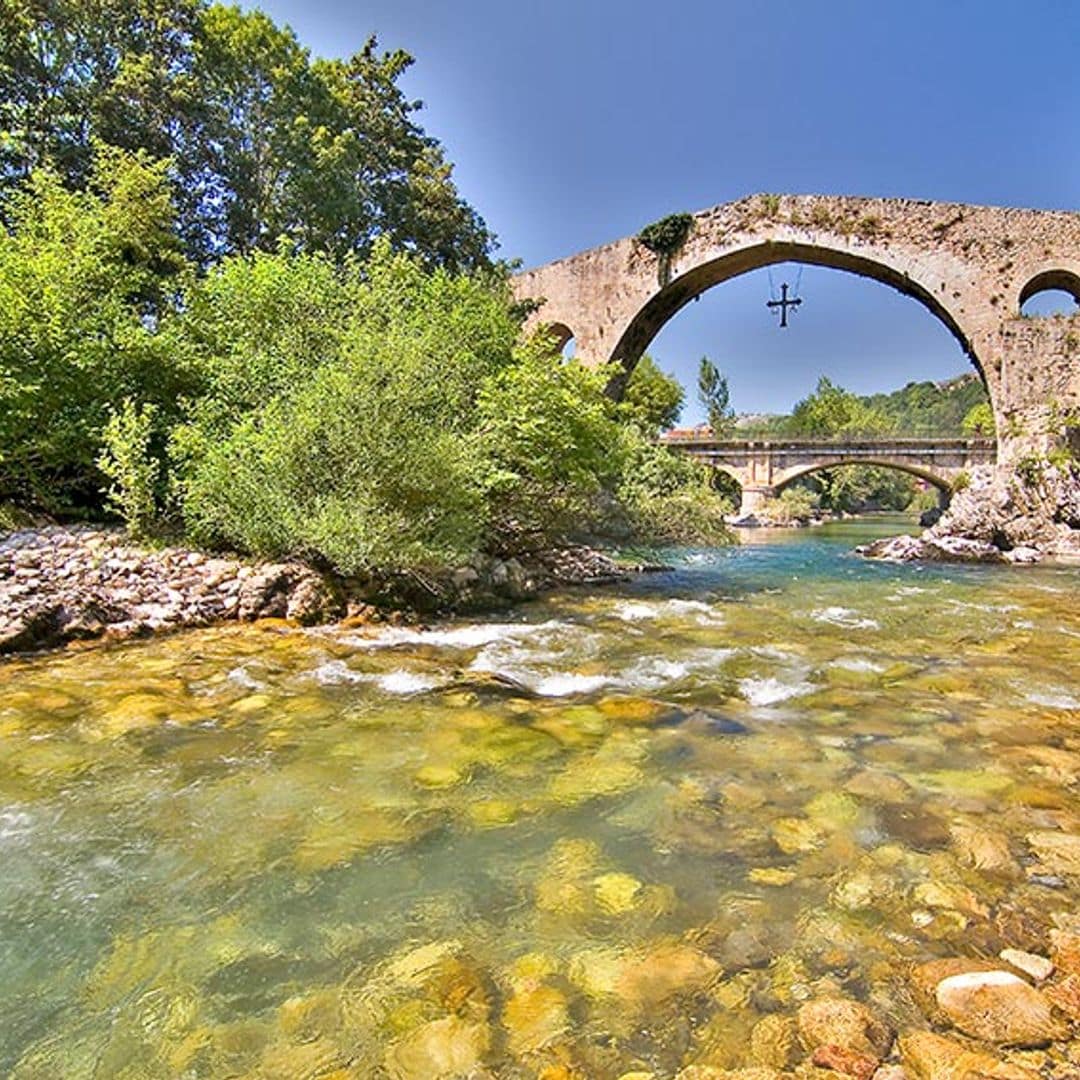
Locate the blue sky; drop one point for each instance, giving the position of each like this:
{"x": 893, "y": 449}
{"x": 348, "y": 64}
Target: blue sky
{"x": 572, "y": 123}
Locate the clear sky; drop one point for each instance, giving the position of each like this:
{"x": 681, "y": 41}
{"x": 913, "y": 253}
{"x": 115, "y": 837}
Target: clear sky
{"x": 572, "y": 123}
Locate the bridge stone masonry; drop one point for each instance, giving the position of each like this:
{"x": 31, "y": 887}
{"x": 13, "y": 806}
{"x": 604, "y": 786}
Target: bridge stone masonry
{"x": 973, "y": 267}
{"x": 764, "y": 467}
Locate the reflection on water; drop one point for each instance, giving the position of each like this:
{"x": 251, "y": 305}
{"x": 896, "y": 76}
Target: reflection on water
{"x": 611, "y": 832}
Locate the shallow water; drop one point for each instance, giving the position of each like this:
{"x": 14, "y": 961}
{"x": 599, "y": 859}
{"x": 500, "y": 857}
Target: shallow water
{"x": 606, "y": 832}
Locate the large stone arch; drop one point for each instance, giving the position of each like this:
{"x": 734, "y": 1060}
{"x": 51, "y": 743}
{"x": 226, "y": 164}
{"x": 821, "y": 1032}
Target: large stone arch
{"x": 680, "y": 291}
{"x": 968, "y": 265}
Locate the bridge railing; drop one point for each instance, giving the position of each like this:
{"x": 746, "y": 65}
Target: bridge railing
{"x": 952, "y": 443}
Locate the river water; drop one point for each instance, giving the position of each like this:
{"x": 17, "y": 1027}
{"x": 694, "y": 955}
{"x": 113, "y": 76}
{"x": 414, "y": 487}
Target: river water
{"x": 611, "y": 831}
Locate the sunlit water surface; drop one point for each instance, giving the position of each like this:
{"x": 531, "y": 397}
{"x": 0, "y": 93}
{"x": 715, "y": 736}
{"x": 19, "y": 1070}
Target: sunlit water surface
{"x": 605, "y": 832}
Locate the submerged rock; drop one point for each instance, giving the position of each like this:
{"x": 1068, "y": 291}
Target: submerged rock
{"x": 534, "y": 1017}
{"x": 845, "y": 1024}
{"x": 772, "y": 1042}
{"x": 666, "y": 971}
{"x": 927, "y": 1056}
{"x": 848, "y": 1062}
{"x": 915, "y": 827}
{"x": 989, "y": 1003}
{"x": 617, "y": 893}
{"x": 444, "y": 1048}
{"x": 1059, "y": 852}
{"x": 984, "y": 850}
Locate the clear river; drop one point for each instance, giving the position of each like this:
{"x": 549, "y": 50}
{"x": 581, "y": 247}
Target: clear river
{"x": 614, "y": 831}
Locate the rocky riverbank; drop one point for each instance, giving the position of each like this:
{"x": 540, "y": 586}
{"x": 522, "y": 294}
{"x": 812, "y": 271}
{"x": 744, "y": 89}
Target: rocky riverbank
{"x": 1021, "y": 516}
{"x": 69, "y": 583}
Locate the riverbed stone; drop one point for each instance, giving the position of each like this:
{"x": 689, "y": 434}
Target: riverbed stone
{"x": 1065, "y": 949}
{"x": 847, "y": 1062}
{"x": 914, "y": 826}
{"x": 985, "y": 850}
{"x": 438, "y": 1050}
{"x": 927, "y": 1056}
{"x": 772, "y": 1041}
{"x": 998, "y": 1006}
{"x": 535, "y": 1017}
{"x": 1059, "y": 852}
{"x": 665, "y": 971}
{"x": 1035, "y": 967}
{"x": 1064, "y": 995}
{"x": 846, "y": 1024}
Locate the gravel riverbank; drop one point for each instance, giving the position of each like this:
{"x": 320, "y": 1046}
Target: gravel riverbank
{"x": 68, "y": 583}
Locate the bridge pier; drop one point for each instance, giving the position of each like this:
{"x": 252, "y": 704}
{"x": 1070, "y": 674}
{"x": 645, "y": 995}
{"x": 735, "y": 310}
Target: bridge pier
{"x": 753, "y": 498}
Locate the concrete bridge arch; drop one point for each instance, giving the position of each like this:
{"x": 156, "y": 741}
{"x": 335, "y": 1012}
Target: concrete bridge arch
{"x": 972, "y": 267}
{"x": 942, "y": 480}
{"x": 764, "y": 467}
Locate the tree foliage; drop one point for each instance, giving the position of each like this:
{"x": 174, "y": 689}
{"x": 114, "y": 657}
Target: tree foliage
{"x": 831, "y": 411}
{"x": 87, "y": 283}
{"x": 653, "y": 399}
{"x": 263, "y": 140}
{"x": 979, "y": 420}
{"x": 381, "y": 415}
{"x": 715, "y": 398}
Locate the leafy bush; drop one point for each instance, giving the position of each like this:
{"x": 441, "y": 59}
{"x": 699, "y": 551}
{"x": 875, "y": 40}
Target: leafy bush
{"x": 346, "y": 436}
{"x": 127, "y": 461}
{"x": 552, "y": 443}
{"x": 979, "y": 420}
{"x": 670, "y": 498}
{"x": 666, "y": 236}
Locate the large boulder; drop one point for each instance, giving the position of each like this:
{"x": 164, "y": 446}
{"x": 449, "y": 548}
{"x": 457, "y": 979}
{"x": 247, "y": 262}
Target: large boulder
{"x": 1004, "y": 514}
{"x": 1035, "y": 504}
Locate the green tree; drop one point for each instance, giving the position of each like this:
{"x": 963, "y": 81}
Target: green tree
{"x": 263, "y": 140}
{"x": 715, "y": 398}
{"x": 979, "y": 420}
{"x": 653, "y": 399}
{"x": 87, "y": 282}
{"x": 833, "y": 411}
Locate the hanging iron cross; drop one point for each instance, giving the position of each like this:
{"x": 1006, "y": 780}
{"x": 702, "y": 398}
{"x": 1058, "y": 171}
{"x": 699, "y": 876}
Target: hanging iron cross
{"x": 783, "y": 304}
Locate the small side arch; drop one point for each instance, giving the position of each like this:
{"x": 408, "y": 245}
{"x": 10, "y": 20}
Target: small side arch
{"x": 1056, "y": 280}
{"x": 728, "y": 481}
{"x": 559, "y": 333}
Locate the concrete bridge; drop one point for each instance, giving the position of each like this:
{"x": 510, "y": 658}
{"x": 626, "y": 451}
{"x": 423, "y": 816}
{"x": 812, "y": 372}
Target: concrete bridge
{"x": 764, "y": 467}
{"x": 972, "y": 267}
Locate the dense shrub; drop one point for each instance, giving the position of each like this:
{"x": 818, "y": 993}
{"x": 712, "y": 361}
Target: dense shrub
{"x": 339, "y": 412}
{"x": 129, "y": 462}
{"x": 358, "y": 413}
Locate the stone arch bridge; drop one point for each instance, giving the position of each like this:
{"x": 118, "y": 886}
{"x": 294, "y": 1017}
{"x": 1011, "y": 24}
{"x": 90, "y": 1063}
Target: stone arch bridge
{"x": 764, "y": 467}
{"x": 973, "y": 267}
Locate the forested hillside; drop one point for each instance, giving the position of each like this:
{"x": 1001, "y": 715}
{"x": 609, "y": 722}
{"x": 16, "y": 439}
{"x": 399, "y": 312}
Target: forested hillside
{"x": 930, "y": 408}
{"x": 957, "y": 406}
